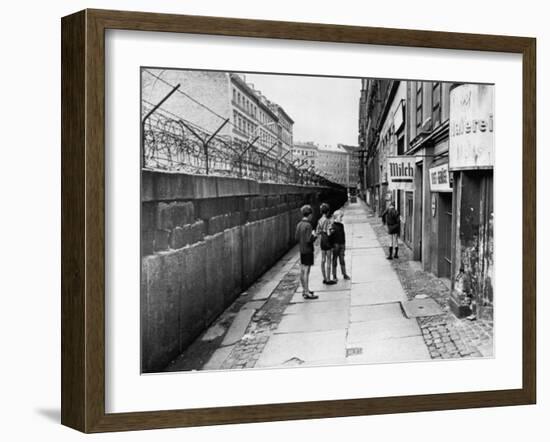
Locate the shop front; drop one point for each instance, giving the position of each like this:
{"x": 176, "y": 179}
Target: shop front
{"x": 401, "y": 184}
{"x": 471, "y": 160}
{"x": 441, "y": 212}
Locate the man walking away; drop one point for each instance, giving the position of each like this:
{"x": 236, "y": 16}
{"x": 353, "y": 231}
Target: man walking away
{"x": 391, "y": 217}
{"x": 306, "y": 237}
{"x": 338, "y": 240}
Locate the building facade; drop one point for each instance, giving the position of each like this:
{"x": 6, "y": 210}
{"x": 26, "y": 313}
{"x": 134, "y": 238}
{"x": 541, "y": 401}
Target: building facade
{"x": 428, "y": 147}
{"x": 209, "y": 97}
{"x": 352, "y": 166}
{"x": 284, "y": 127}
{"x": 376, "y": 139}
{"x": 333, "y": 164}
{"x": 304, "y": 154}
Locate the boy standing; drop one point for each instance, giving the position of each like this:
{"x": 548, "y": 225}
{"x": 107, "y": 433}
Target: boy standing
{"x": 323, "y": 229}
{"x": 338, "y": 240}
{"x": 306, "y": 237}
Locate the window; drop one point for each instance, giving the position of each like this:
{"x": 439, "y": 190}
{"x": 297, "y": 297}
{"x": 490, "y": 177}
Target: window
{"x": 418, "y": 104}
{"x": 436, "y": 103}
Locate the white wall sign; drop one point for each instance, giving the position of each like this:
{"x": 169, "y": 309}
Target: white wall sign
{"x": 440, "y": 179}
{"x": 471, "y": 127}
{"x": 401, "y": 173}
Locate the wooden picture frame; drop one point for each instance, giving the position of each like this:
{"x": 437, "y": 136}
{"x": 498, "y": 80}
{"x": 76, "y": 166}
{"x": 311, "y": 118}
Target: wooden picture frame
{"x": 83, "y": 220}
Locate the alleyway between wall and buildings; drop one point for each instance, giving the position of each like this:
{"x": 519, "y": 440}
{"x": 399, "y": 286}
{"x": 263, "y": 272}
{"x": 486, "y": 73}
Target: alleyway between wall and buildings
{"x": 390, "y": 311}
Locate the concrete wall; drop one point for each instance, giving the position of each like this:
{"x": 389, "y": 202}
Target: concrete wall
{"x": 204, "y": 241}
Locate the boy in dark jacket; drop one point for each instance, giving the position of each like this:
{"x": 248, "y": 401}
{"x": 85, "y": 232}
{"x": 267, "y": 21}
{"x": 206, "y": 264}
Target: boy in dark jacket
{"x": 306, "y": 237}
{"x": 338, "y": 240}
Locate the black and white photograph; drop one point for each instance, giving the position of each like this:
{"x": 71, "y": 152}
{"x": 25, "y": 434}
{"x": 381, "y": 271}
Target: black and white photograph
{"x": 295, "y": 221}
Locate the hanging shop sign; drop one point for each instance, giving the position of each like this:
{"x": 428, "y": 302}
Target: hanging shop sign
{"x": 471, "y": 127}
{"x": 401, "y": 173}
{"x": 440, "y": 180}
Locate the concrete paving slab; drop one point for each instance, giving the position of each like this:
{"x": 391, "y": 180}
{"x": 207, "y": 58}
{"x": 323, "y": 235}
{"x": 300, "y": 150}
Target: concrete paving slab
{"x": 218, "y": 357}
{"x": 377, "y": 312}
{"x": 213, "y": 332}
{"x": 365, "y": 243}
{"x": 334, "y": 362}
{"x": 368, "y": 261}
{"x": 310, "y": 321}
{"x": 323, "y": 297}
{"x": 382, "y": 272}
{"x": 307, "y": 347}
{"x": 378, "y": 331}
{"x": 377, "y": 292}
{"x": 317, "y": 307}
{"x": 421, "y": 307}
{"x": 373, "y": 261}
{"x": 317, "y": 285}
{"x": 238, "y": 326}
{"x": 253, "y": 305}
{"x": 392, "y": 350}
{"x": 263, "y": 291}
{"x": 373, "y": 251}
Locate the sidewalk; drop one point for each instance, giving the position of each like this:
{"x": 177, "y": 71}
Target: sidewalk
{"x": 357, "y": 321}
{"x": 447, "y": 336}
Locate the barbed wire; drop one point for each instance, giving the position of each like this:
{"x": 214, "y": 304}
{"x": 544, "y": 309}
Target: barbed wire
{"x": 171, "y": 142}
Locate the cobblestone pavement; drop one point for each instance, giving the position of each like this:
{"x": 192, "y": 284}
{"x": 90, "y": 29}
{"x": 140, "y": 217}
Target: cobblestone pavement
{"x": 248, "y": 349}
{"x": 445, "y": 335}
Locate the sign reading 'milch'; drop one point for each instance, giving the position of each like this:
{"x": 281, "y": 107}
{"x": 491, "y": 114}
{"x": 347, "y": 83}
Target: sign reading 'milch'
{"x": 471, "y": 127}
{"x": 401, "y": 173}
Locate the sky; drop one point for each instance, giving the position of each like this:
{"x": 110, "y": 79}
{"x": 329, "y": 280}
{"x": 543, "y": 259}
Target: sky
{"x": 325, "y": 110}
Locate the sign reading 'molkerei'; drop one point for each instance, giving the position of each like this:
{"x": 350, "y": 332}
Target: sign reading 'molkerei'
{"x": 471, "y": 127}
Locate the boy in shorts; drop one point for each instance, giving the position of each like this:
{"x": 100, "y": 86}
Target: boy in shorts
{"x": 323, "y": 230}
{"x": 306, "y": 237}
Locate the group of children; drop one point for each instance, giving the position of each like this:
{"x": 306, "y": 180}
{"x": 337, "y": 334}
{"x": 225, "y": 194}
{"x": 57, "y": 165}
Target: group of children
{"x": 332, "y": 235}
{"x": 333, "y": 242}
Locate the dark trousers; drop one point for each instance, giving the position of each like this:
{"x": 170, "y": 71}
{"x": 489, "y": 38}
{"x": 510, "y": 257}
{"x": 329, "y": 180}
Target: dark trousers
{"x": 338, "y": 253}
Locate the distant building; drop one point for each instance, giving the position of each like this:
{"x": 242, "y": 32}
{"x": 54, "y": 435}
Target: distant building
{"x": 334, "y": 163}
{"x": 352, "y": 165}
{"x": 339, "y": 164}
{"x": 305, "y": 154}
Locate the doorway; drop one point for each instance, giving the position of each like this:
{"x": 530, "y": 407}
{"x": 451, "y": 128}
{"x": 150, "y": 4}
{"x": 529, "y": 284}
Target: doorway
{"x": 445, "y": 233}
{"x": 409, "y": 218}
